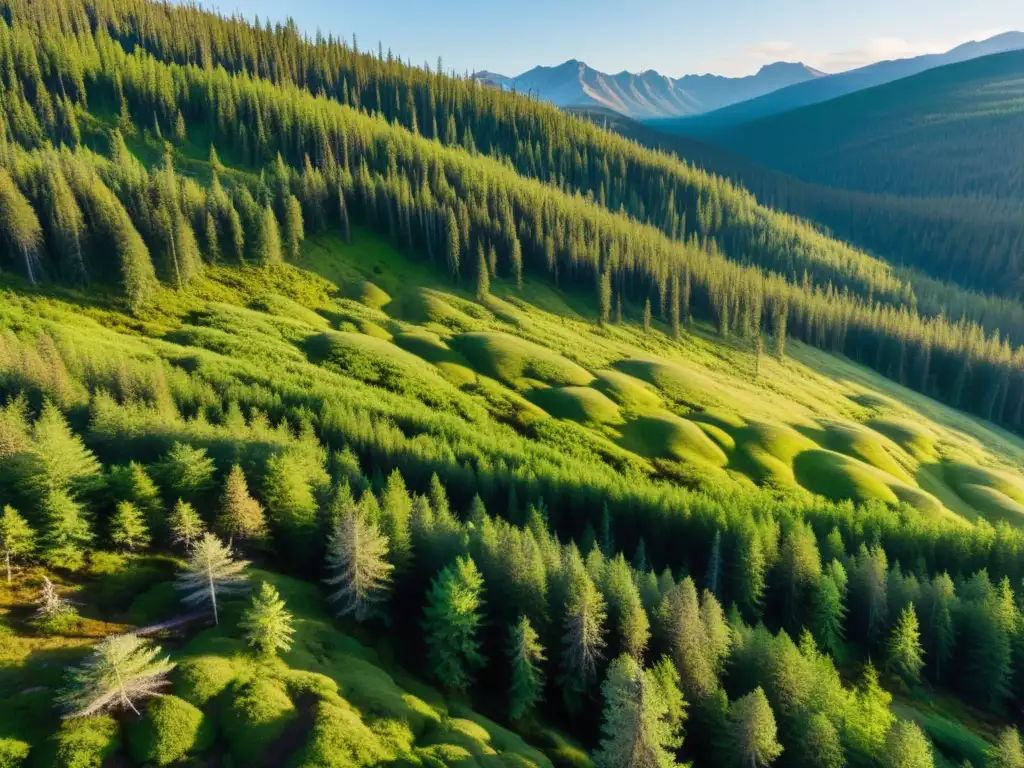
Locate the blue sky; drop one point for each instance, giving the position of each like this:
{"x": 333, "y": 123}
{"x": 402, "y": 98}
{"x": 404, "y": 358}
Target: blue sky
{"x": 675, "y": 37}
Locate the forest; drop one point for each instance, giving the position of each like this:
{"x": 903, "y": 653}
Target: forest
{"x": 192, "y": 419}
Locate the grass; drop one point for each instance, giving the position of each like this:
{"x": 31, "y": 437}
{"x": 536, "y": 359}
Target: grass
{"x": 582, "y": 404}
{"x": 667, "y": 436}
{"x": 517, "y": 362}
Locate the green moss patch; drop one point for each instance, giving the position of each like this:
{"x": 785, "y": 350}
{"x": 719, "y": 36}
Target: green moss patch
{"x": 510, "y": 360}
{"x": 667, "y": 436}
{"x": 581, "y": 404}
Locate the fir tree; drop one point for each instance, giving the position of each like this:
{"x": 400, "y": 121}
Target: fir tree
{"x": 266, "y": 623}
{"x": 583, "y": 641}
{"x": 907, "y": 747}
{"x": 268, "y": 239}
{"x": 211, "y": 571}
{"x": 636, "y": 732}
{"x": 292, "y": 228}
{"x": 54, "y": 614}
{"x": 17, "y": 540}
{"x": 395, "y": 518}
{"x": 186, "y": 525}
{"x": 121, "y": 671}
{"x": 1007, "y": 751}
{"x": 647, "y": 315}
{"x": 66, "y": 532}
{"x": 752, "y": 736}
{"x": 240, "y": 514}
{"x": 526, "y": 656}
{"x": 483, "y": 279}
{"x": 452, "y": 621}
{"x": 128, "y": 527}
{"x": 185, "y": 473}
{"x": 905, "y": 654}
{"x": 828, "y": 612}
{"x": 357, "y": 561}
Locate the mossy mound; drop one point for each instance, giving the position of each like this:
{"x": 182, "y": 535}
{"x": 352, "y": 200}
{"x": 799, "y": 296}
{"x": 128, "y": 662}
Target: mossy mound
{"x": 837, "y": 477}
{"x": 627, "y": 391}
{"x": 256, "y": 715}
{"x": 202, "y": 678}
{"x": 422, "y": 306}
{"x": 667, "y": 436}
{"x": 765, "y": 451}
{"x": 367, "y": 293}
{"x": 864, "y": 444}
{"x": 281, "y": 306}
{"x": 340, "y": 739}
{"x": 916, "y": 439}
{"x": 432, "y": 348}
{"x": 86, "y": 742}
{"x": 681, "y": 384}
{"x": 996, "y": 494}
{"x": 512, "y": 360}
{"x": 581, "y": 404}
{"x": 170, "y": 729}
{"x": 370, "y": 328}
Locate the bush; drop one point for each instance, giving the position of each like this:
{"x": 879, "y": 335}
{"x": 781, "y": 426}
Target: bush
{"x": 202, "y": 678}
{"x": 85, "y": 742}
{"x": 63, "y": 623}
{"x": 12, "y": 753}
{"x": 340, "y": 739}
{"x": 170, "y": 729}
{"x": 256, "y": 716}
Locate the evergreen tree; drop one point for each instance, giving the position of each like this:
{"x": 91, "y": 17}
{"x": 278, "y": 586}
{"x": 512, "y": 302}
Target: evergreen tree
{"x": 938, "y": 635}
{"x": 395, "y": 520}
{"x": 907, "y": 747}
{"x": 526, "y": 656}
{"x": 604, "y": 295}
{"x": 185, "y": 473}
{"x": 20, "y": 228}
{"x": 211, "y": 571}
{"x": 121, "y": 671}
{"x": 483, "y": 279}
{"x": 647, "y": 315}
{"x": 686, "y": 638}
{"x": 186, "y": 525}
{"x": 636, "y": 732}
{"x": 583, "y": 641}
{"x": 292, "y": 228}
{"x": 66, "y": 532}
{"x": 132, "y": 483}
{"x": 128, "y": 527}
{"x": 267, "y": 240}
{"x": 266, "y": 623}
{"x": 17, "y": 540}
{"x": 54, "y": 614}
{"x": 752, "y": 737}
{"x": 240, "y": 514}
{"x": 905, "y": 654}
{"x": 828, "y": 611}
{"x": 60, "y": 462}
{"x": 357, "y": 561}
{"x": 1007, "y": 752}
{"x": 452, "y": 621}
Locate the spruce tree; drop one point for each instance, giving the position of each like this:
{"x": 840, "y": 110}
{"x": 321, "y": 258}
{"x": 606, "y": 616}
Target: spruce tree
{"x": 395, "y": 520}
{"x": 132, "y": 483}
{"x": 266, "y": 623}
{"x": 583, "y": 640}
{"x": 185, "y": 524}
{"x": 20, "y": 228}
{"x": 828, "y": 613}
{"x": 752, "y": 739}
{"x": 268, "y": 240}
{"x": 240, "y": 514}
{"x": 211, "y": 572}
{"x": 121, "y": 672}
{"x": 907, "y": 747}
{"x": 483, "y": 279}
{"x": 128, "y": 527}
{"x": 66, "y": 531}
{"x": 636, "y": 732}
{"x": 452, "y": 622}
{"x": 292, "y": 228}
{"x": 905, "y": 654}
{"x": 17, "y": 540}
{"x": 1007, "y": 751}
{"x": 185, "y": 473}
{"x": 359, "y": 569}
{"x": 526, "y": 656}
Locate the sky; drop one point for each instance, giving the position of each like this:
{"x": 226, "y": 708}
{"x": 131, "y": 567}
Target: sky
{"x": 674, "y": 37}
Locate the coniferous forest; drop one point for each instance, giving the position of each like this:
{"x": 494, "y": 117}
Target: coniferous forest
{"x": 355, "y": 413}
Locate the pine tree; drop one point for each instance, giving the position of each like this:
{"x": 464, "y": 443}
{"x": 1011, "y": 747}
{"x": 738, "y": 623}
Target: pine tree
{"x": 132, "y": 483}
{"x": 395, "y": 517}
{"x": 17, "y": 540}
{"x": 907, "y": 747}
{"x": 121, "y": 671}
{"x": 268, "y": 239}
{"x": 636, "y": 732}
{"x": 828, "y": 612}
{"x": 583, "y": 641}
{"x": 128, "y": 527}
{"x": 54, "y": 614}
{"x": 66, "y": 532}
{"x": 483, "y": 279}
{"x": 185, "y": 473}
{"x": 752, "y": 737}
{"x": 1007, "y": 752}
{"x": 240, "y": 514}
{"x": 905, "y": 654}
{"x": 292, "y": 228}
{"x": 452, "y": 621}
{"x": 60, "y": 461}
{"x": 604, "y": 295}
{"x": 526, "y": 656}
{"x": 266, "y": 623}
{"x": 186, "y": 525}
{"x": 686, "y": 637}
{"x": 357, "y": 560}
{"x": 211, "y": 571}
{"x": 19, "y": 227}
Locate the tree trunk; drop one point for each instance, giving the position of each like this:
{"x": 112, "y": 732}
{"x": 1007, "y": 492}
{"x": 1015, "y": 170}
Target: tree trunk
{"x": 8, "y": 558}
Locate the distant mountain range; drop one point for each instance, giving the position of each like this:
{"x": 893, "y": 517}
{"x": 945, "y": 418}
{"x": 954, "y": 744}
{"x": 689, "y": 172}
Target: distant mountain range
{"x": 702, "y": 104}
{"x": 817, "y": 90}
{"x": 647, "y": 95}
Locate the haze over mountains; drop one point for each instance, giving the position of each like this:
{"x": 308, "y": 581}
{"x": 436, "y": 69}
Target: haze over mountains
{"x": 699, "y": 103}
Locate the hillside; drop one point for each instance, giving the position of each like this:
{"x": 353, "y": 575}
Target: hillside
{"x": 646, "y": 95}
{"x": 834, "y": 86}
{"x": 945, "y": 238}
{"x": 406, "y": 456}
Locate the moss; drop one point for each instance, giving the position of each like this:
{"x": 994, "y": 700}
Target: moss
{"x": 340, "y": 739}
{"x": 627, "y": 391}
{"x": 255, "y": 717}
{"x": 668, "y": 436}
{"x": 85, "y": 742}
{"x": 203, "y": 678}
{"x": 581, "y": 404}
{"x": 510, "y": 359}
{"x": 13, "y": 753}
{"x": 170, "y": 729}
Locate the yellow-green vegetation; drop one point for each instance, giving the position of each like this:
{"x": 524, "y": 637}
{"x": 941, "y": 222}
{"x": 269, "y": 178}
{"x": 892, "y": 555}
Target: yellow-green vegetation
{"x": 518, "y": 362}
{"x": 583, "y": 404}
{"x": 671, "y": 437}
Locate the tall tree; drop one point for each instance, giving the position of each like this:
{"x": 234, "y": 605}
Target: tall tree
{"x": 483, "y": 278}
{"x": 17, "y": 540}
{"x": 905, "y": 654}
{"x": 240, "y": 514}
{"x": 1007, "y": 751}
{"x": 211, "y": 571}
{"x": 128, "y": 527}
{"x": 907, "y": 747}
{"x": 121, "y": 671}
{"x": 636, "y": 732}
{"x": 357, "y": 560}
{"x": 583, "y": 639}
{"x": 752, "y": 740}
{"x": 526, "y": 656}
{"x": 185, "y": 524}
{"x": 451, "y": 622}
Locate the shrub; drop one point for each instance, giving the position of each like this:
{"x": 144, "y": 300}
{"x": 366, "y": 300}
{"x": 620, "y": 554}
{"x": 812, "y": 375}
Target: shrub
{"x": 12, "y": 753}
{"x": 202, "y": 678}
{"x": 255, "y": 718}
{"x": 85, "y": 742}
{"x": 170, "y": 729}
{"x": 340, "y": 739}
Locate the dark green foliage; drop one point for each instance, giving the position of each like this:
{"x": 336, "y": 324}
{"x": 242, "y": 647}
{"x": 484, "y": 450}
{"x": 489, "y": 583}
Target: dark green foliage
{"x": 170, "y": 729}
{"x": 526, "y": 656}
{"x": 451, "y": 622}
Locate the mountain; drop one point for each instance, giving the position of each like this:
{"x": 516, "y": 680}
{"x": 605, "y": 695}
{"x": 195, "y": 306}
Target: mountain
{"x": 817, "y": 90}
{"x": 953, "y": 131}
{"x": 648, "y": 95}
